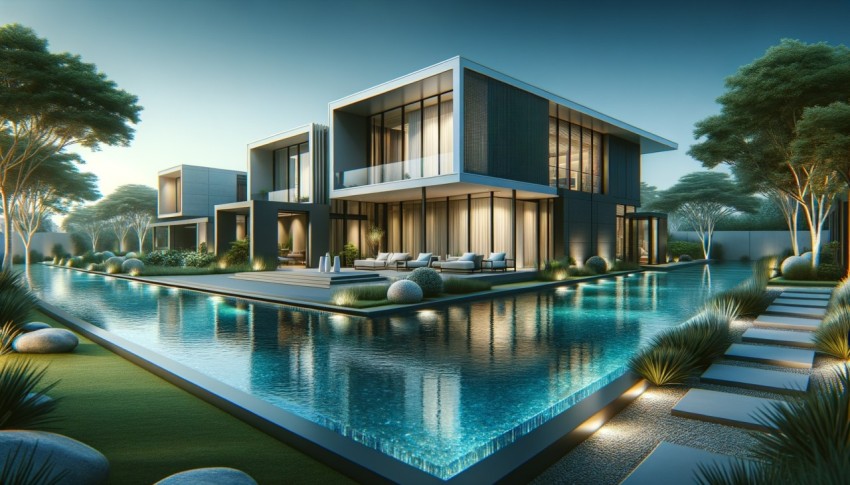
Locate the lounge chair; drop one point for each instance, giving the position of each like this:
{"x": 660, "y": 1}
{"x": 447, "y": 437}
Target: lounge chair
{"x": 498, "y": 262}
{"x": 469, "y": 262}
{"x": 372, "y": 263}
{"x": 422, "y": 261}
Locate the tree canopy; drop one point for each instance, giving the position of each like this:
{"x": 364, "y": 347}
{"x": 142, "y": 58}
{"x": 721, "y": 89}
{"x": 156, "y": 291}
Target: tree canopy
{"x": 703, "y": 199}
{"x": 48, "y": 102}
{"x": 756, "y": 129}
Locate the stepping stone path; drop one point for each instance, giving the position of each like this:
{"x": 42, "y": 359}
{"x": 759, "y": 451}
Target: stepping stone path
{"x": 789, "y": 321}
{"x": 724, "y": 408}
{"x": 769, "y": 354}
{"x": 779, "y": 337}
{"x": 672, "y": 464}
{"x": 801, "y": 303}
{"x": 752, "y": 378}
{"x": 796, "y": 310}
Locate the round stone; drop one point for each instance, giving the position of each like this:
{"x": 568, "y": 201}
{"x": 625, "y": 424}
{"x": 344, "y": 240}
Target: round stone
{"x": 78, "y": 462}
{"x": 33, "y": 326}
{"x": 209, "y": 476}
{"x": 404, "y": 291}
{"x": 46, "y": 341}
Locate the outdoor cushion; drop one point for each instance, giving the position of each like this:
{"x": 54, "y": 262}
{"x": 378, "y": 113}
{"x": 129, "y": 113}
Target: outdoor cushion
{"x": 382, "y": 256}
{"x": 369, "y": 263}
{"x": 467, "y": 257}
{"x": 497, "y": 264}
{"x": 458, "y": 265}
{"x": 416, "y": 264}
{"x": 424, "y": 257}
{"x": 398, "y": 257}
{"x": 496, "y": 257}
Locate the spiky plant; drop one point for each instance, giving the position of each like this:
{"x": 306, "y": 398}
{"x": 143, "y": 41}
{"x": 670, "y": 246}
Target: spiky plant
{"x": 705, "y": 337}
{"x": 21, "y": 468}
{"x": 723, "y": 304}
{"x": 8, "y": 332}
{"x": 16, "y": 300}
{"x": 810, "y": 442}
{"x": 831, "y": 337}
{"x": 664, "y": 365}
{"x": 840, "y": 295}
{"x": 22, "y": 406}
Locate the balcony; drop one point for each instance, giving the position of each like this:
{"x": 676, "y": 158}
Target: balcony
{"x": 288, "y": 195}
{"x": 394, "y": 172}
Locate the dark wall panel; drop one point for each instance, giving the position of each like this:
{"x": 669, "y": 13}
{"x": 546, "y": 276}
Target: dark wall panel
{"x": 505, "y": 131}
{"x": 623, "y": 170}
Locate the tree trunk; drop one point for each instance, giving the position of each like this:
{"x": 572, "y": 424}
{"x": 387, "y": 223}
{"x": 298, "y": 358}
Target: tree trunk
{"x": 7, "y": 231}
{"x": 792, "y": 228}
{"x": 140, "y": 243}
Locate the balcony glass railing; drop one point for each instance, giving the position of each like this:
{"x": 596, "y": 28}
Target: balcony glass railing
{"x": 288, "y": 195}
{"x": 394, "y": 172}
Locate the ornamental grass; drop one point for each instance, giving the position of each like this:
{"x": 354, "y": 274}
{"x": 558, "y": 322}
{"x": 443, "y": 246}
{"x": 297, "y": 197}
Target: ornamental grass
{"x": 664, "y": 366}
{"x": 460, "y": 286}
{"x": 831, "y": 337}
{"x": 24, "y": 403}
{"x": 840, "y": 295}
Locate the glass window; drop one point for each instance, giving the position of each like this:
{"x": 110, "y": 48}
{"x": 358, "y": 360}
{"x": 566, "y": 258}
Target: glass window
{"x": 292, "y": 174}
{"x": 305, "y": 180}
{"x": 553, "y": 151}
{"x": 280, "y": 171}
{"x": 575, "y": 158}
{"x": 431, "y": 134}
{"x": 597, "y": 163}
{"x": 393, "y": 136}
{"x": 446, "y": 133}
{"x": 563, "y": 152}
{"x": 586, "y": 142}
{"x": 375, "y": 145}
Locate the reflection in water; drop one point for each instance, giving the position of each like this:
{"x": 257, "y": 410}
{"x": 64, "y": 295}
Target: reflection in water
{"x": 439, "y": 389}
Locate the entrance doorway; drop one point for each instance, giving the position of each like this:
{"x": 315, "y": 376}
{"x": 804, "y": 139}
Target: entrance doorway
{"x": 293, "y": 237}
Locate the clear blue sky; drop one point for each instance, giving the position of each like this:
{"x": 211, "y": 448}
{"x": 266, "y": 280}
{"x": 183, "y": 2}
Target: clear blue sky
{"x": 216, "y": 75}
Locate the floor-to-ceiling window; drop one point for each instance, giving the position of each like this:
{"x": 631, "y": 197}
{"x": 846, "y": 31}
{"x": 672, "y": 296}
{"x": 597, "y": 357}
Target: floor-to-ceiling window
{"x": 412, "y": 141}
{"x": 621, "y": 222}
{"x": 575, "y": 157}
{"x": 291, "y": 174}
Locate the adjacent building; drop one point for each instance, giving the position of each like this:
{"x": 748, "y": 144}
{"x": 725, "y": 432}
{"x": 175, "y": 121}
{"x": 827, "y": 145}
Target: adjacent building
{"x": 453, "y": 158}
{"x": 187, "y": 196}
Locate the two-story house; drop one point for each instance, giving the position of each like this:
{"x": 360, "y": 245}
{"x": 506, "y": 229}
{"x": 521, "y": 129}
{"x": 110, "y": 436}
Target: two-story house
{"x": 187, "y": 196}
{"x": 453, "y": 158}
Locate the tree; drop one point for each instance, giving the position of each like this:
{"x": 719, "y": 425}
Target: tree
{"x": 87, "y": 220}
{"x": 648, "y": 195}
{"x": 48, "y": 102}
{"x": 703, "y": 199}
{"x": 131, "y": 207}
{"x": 51, "y": 190}
{"x": 757, "y": 126}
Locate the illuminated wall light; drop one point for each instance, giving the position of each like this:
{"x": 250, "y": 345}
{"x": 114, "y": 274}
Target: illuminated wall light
{"x": 562, "y": 290}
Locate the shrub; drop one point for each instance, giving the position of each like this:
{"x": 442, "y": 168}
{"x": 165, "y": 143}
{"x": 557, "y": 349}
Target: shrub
{"x": 57, "y": 250}
{"x": 348, "y": 254}
{"x": 107, "y": 254}
{"x": 829, "y": 272}
{"x": 238, "y": 253}
{"x": 832, "y": 335}
{"x": 749, "y": 296}
{"x": 428, "y": 279}
{"x": 132, "y": 266}
{"x": 692, "y": 249}
{"x": 113, "y": 264}
{"x": 840, "y": 295}
{"x": 96, "y": 267}
{"x": 459, "y": 286}
{"x": 198, "y": 259}
{"x": 21, "y": 405}
{"x": 620, "y": 265}
{"x": 131, "y": 255}
{"x": 36, "y": 256}
{"x": 404, "y": 291}
{"x": 796, "y": 268}
{"x": 663, "y": 365}
{"x": 685, "y": 258}
{"x": 596, "y": 264}
{"x": 263, "y": 264}
{"x": 16, "y": 300}
{"x": 584, "y": 271}
{"x": 705, "y": 336}
{"x": 17, "y": 259}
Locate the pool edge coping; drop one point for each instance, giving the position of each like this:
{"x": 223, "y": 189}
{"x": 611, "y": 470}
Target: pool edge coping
{"x": 521, "y": 460}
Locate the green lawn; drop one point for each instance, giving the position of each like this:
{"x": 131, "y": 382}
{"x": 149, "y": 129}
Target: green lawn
{"x": 782, "y": 281}
{"x": 150, "y": 429}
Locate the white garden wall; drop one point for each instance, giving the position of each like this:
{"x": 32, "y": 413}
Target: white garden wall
{"x": 752, "y": 244}
{"x": 41, "y": 241}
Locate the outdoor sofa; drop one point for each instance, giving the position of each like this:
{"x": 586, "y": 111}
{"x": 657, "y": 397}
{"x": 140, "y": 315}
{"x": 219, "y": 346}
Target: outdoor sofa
{"x": 424, "y": 260}
{"x": 383, "y": 261}
{"x": 468, "y": 262}
{"x": 498, "y": 262}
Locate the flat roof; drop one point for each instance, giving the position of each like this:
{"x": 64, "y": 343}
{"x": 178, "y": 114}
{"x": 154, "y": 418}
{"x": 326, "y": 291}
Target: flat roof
{"x": 577, "y": 113}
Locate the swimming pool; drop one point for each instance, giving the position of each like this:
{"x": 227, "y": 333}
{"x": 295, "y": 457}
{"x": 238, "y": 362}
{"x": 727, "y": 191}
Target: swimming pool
{"x": 438, "y": 389}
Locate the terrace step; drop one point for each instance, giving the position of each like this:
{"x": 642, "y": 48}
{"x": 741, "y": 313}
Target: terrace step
{"x": 795, "y": 310}
{"x": 804, "y": 296}
{"x": 751, "y": 378}
{"x": 723, "y": 408}
{"x": 800, "y": 303}
{"x": 308, "y": 278}
{"x": 815, "y": 290}
{"x": 672, "y": 464}
{"x": 768, "y": 354}
{"x": 787, "y": 323}
{"x": 779, "y": 337}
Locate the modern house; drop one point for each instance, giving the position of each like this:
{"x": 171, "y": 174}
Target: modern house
{"x": 453, "y": 158}
{"x": 186, "y": 202}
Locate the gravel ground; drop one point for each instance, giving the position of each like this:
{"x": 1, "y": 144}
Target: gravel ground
{"x": 611, "y": 453}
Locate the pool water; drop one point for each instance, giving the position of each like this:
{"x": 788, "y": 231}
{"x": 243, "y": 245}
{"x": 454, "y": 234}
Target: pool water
{"x": 438, "y": 389}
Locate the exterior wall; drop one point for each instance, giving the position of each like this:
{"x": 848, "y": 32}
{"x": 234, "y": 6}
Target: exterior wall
{"x": 623, "y": 174}
{"x": 751, "y": 244}
{"x": 42, "y": 242}
{"x": 350, "y": 142}
{"x": 260, "y": 179}
{"x": 505, "y": 131}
